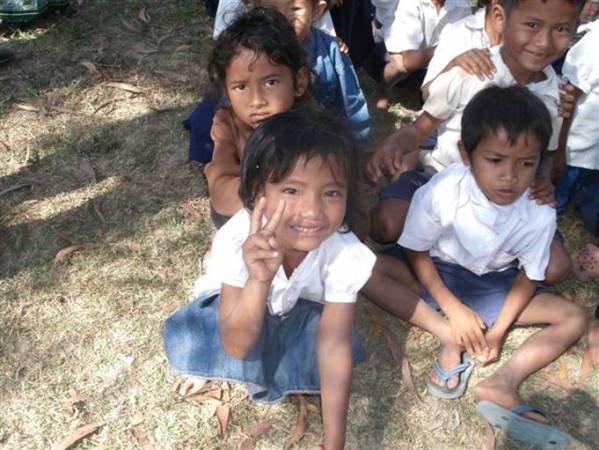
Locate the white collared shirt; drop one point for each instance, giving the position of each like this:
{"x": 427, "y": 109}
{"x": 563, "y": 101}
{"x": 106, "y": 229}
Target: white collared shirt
{"x": 417, "y": 23}
{"x": 333, "y": 272}
{"x": 452, "y": 219}
{"x": 456, "y": 38}
{"x": 581, "y": 68}
{"x": 451, "y": 91}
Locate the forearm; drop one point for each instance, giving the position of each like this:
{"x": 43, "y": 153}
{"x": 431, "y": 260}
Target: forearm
{"x": 224, "y": 194}
{"x": 335, "y": 368}
{"x": 241, "y": 318}
{"x": 417, "y": 59}
{"x": 518, "y": 297}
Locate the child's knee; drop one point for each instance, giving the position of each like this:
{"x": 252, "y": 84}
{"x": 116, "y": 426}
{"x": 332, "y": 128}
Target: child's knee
{"x": 385, "y": 224}
{"x": 560, "y": 264}
{"x": 575, "y": 319}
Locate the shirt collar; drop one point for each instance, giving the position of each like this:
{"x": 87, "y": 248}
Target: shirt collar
{"x": 476, "y": 21}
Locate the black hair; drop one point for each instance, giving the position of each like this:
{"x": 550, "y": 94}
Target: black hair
{"x": 263, "y": 31}
{"x": 513, "y": 109}
{"x": 508, "y": 5}
{"x": 276, "y": 146}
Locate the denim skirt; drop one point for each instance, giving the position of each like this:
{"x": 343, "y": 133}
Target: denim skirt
{"x": 283, "y": 361}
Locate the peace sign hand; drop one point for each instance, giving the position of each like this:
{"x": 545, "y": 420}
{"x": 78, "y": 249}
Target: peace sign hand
{"x": 261, "y": 252}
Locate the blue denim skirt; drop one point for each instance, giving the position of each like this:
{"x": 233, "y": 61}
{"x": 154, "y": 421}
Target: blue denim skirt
{"x": 283, "y": 361}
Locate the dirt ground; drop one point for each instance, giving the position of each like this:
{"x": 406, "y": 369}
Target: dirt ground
{"x": 103, "y": 223}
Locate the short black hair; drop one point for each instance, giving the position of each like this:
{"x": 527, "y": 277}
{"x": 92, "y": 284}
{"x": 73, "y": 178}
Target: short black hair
{"x": 513, "y": 109}
{"x": 276, "y": 146}
{"x": 508, "y": 5}
{"x": 261, "y": 30}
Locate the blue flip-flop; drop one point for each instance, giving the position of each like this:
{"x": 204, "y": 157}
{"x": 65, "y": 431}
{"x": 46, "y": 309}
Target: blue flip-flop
{"x": 464, "y": 369}
{"x": 519, "y": 427}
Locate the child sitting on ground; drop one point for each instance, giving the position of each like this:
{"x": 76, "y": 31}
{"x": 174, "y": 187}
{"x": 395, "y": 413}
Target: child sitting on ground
{"x": 412, "y": 36}
{"x": 478, "y": 246}
{"x": 524, "y": 58}
{"x": 261, "y": 67}
{"x": 275, "y": 307}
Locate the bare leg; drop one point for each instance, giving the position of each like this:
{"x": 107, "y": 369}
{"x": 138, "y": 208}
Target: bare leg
{"x": 560, "y": 264}
{"x": 565, "y": 321}
{"x": 393, "y": 72}
{"x": 387, "y": 219}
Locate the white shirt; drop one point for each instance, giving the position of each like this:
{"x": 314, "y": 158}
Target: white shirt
{"x": 451, "y": 91}
{"x": 581, "y": 68}
{"x": 228, "y": 10}
{"x": 452, "y": 219}
{"x": 333, "y": 272}
{"x": 417, "y": 23}
{"x": 455, "y": 39}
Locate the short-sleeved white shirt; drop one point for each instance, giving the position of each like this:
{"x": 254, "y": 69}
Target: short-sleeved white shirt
{"x": 451, "y": 91}
{"x": 581, "y": 68}
{"x": 228, "y": 10}
{"x": 456, "y": 38}
{"x": 417, "y": 23}
{"x": 452, "y": 219}
{"x": 333, "y": 272}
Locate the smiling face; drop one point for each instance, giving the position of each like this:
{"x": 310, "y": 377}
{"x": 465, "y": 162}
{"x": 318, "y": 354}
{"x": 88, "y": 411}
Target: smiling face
{"x": 315, "y": 202}
{"x": 503, "y": 171}
{"x": 537, "y": 33}
{"x": 257, "y": 88}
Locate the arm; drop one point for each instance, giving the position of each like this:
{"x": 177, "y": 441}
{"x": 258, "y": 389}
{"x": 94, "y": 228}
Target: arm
{"x": 335, "y": 367}
{"x": 466, "y": 325}
{"x": 559, "y": 158}
{"x": 413, "y": 60}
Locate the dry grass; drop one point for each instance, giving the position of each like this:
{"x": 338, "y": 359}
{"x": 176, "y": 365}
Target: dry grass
{"x": 107, "y": 167}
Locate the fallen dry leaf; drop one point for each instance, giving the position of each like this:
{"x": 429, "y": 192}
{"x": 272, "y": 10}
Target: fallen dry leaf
{"x": 593, "y": 340}
{"x": 91, "y": 67}
{"x": 67, "y": 251}
{"x": 183, "y": 48}
{"x": 563, "y": 369}
{"x": 256, "y": 432}
{"x": 406, "y": 376}
{"x": 140, "y": 437}
{"x": 141, "y": 48}
{"x": 170, "y": 307}
{"x": 378, "y": 323}
{"x": 143, "y": 16}
{"x": 124, "y": 86}
{"x": 27, "y": 107}
{"x": 222, "y": 414}
{"x": 131, "y": 25}
{"x": 586, "y": 365}
{"x": 193, "y": 213}
{"x": 553, "y": 379}
{"x": 161, "y": 39}
{"x": 16, "y": 187}
{"x": 489, "y": 437}
{"x": 175, "y": 77}
{"x": 4, "y": 145}
{"x": 312, "y": 408}
{"x": 77, "y": 435}
{"x": 301, "y": 424}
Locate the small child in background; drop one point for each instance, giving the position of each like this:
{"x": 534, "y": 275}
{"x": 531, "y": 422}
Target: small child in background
{"x": 260, "y": 66}
{"x": 275, "y": 307}
{"x": 412, "y": 36}
{"x": 478, "y": 246}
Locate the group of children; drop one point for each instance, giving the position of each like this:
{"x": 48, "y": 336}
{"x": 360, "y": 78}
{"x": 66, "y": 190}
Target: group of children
{"x": 472, "y": 219}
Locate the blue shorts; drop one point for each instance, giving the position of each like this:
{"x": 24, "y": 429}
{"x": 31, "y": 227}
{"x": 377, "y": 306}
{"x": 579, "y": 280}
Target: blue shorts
{"x": 283, "y": 361}
{"x": 405, "y": 186}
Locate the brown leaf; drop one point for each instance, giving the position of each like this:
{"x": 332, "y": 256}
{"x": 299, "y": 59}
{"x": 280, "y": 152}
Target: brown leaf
{"x": 162, "y": 38}
{"x": 141, "y": 48}
{"x": 378, "y": 322}
{"x": 141, "y": 439}
{"x": 4, "y": 144}
{"x": 16, "y": 187}
{"x": 256, "y": 432}
{"x": 170, "y": 307}
{"x": 489, "y": 437}
{"x": 586, "y": 365}
{"x": 194, "y": 214}
{"x": 393, "y": 345}
{"x": 74, "y": 400}
{"x": 563, "y": 369}
{"x": 553, "y": 379}
{"x": 77, "y": 435}
{"x": 406, "y": 376}
{"x": 91, "y": 67}
{"x": 222, "y": 414}
{"x": 312, "y": 408}
{"x": 175, "y": 77}
{"x": 301, "y": 424}
{"x": 124, "y": 86}
{"x": 27, "y": 107}
{"x": 67, "y": 251}
{"x": 207, "y": 394}
{"x": 143, "y": 16}
{"x": 131, "y": 25}
{"x": 183, "y": 48}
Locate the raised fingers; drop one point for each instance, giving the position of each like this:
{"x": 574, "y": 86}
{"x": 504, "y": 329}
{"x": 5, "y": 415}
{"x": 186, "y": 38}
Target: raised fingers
{"x": 257, "y": 213}
{"x": 273, "y": 221}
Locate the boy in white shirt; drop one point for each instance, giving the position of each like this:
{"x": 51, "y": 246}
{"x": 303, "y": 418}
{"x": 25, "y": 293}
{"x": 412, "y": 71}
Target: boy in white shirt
{"x": 478, "y": 246}
{"x": 411, "y": 37}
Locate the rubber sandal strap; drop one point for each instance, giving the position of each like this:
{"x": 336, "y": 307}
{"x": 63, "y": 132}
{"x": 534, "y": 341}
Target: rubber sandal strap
{"x": 446, "y": 375}
{"x": 521, "y": 409}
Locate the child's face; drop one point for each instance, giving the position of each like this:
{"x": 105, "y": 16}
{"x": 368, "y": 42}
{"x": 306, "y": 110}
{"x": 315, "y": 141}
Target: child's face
{"x": 301, "y": 14}
{"x": 315, "y": 202}
{"x": 504, "y": 171}
{"x": 257, "y": 88}
{"x": 537, "y": 33}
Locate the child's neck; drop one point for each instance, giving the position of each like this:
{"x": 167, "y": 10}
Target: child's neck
{"x": 520, "y": 74}
{"x": 291, "y": 260}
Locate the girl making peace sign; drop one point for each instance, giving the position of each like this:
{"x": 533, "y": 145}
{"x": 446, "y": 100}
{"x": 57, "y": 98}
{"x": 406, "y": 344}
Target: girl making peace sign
{"x": 275, "y": 308}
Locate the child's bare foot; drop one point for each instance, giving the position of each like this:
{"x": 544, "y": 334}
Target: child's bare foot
{"x": 500, "y": 391}
{"x": 189, "y": 385}
{"x": 382, "y": 101}
{"x": 449, "y": 356}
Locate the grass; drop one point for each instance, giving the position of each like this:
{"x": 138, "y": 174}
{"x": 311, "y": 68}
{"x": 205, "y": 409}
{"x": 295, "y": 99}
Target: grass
{"x": 80, "y": 339}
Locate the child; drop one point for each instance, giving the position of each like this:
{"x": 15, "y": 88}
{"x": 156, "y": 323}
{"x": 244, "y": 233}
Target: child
{"x": 412, "y": 36}
{"x": 478, "y": 245}
{"x": 336, "y": 86}
{"x": 535, "y": 33}
{"x": 275, "y": 307}
{"x": 262, "y": 69}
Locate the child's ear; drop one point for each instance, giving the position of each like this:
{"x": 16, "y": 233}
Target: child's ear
{"x": 321, "y": 7}
{"x": 464, "y": 154}
{"x": 302, "y": 81}
{"x": 498, "y": 17}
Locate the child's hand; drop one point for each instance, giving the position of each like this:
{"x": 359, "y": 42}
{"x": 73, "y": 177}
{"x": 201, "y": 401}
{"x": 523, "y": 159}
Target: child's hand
{"x": 261, "y": 252}
{"x": 467, "y": 329}
{"x": 476, "y": 61}
{"x": 542, "y": 191}
{"x": 495, "y": 339}
{"x": 342, "y": 46}
{"x": 567, "y": 100}
{"x": 387, "y": 160}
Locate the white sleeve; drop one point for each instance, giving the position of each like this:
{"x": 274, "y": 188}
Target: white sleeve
{"x": 448, "y": 93}
{"x": 423, "y": 222}
{"x": 226, "y": 257}
{"x": 534, "y": 258}
{"x": 347, "y": 268}
{"x": 325, "y": 23}
{"x": 580, "y": 67}
{"x": 405, "y": 32}
{"x": 226, "y": 12}
{"x": 447, "y": 49}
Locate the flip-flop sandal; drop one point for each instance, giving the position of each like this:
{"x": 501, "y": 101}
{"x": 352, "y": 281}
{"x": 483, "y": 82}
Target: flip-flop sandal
{"x": 586, "y": 262}
{"x": 519, "y": 427}
{"x": 463, "y": 370}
